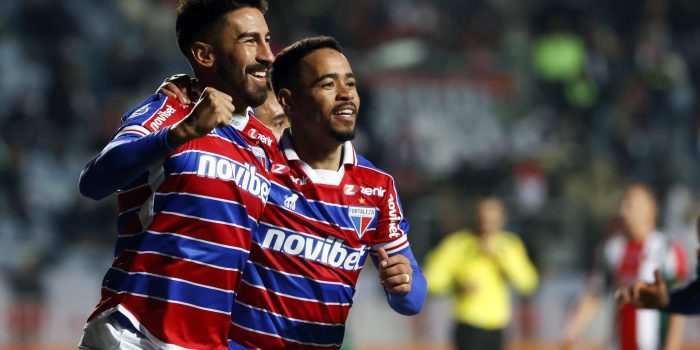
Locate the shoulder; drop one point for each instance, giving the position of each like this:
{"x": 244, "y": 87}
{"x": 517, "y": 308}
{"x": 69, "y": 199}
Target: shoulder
{"x": 369, "y": 171}
{"x": 510, "y": 237}
{"x": 459, "y": 238}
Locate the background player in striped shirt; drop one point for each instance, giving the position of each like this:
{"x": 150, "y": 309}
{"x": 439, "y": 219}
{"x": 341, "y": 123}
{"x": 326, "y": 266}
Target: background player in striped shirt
{"x": 192, "y": 182}
{"x": 625, "y": 259}
{"x": 655, "y": 295}
{"x": 327, "y": 211}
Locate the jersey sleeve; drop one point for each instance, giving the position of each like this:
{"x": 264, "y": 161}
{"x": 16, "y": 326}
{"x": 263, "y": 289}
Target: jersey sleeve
{"x": 686, "y": 300}
{"x": 412, "y": 302}
{"x": 391, "y": 234}
{"x": 392, "y": 226}
{"x": 139, "y": 142}
{"x": 675, "y": 265}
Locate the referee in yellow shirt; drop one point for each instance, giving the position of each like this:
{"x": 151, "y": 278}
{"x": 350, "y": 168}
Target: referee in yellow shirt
{"x": 476, "y": 269}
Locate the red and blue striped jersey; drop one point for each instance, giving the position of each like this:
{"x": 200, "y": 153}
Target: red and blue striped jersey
{"x": 309, "y": 248}
{"x": 184, "y": 224}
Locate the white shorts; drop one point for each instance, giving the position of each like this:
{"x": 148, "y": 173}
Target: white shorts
{"x": 105, "y": 332}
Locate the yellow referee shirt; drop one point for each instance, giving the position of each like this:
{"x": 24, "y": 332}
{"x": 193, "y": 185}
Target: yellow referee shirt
{"x": 478, "y": 279}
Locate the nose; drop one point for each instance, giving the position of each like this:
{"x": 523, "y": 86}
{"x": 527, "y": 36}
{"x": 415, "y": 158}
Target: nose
{"x": 345, "y": 93}
{"x": 265, "y": 54}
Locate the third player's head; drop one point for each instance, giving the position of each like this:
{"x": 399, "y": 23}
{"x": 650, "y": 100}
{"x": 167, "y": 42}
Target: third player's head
{"x": 638, "y": 210}
{"x": 227, "y": 45}
{"x": 490, "y": 216}
{"x": 317, "y": 89}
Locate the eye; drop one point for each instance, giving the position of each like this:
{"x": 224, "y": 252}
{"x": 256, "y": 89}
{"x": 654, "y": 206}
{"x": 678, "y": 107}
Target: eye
{"x": 351, "y": 84}
{"x": 328, "y": 85}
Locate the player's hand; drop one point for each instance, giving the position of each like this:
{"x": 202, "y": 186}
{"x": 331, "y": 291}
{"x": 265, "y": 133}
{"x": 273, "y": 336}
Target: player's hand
{"x": 214, "y": 109}
{"x": 180, "y": 86}
{"x": 645, "y": 295}
{"x": 395, "y": 272}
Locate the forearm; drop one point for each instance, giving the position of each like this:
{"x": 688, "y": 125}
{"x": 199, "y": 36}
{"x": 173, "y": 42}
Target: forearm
{"x": 581, "y": 317}
{"x": 121, "y": 162}
{"x": 686, "y": 300}
{"x": 674, "y": 334}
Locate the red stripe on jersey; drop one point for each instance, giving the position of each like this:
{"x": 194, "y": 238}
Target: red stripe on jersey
{"x": 175, "y": 323}
{"x": 207, "y": 231}
{"x": 298, "y": 265}
{"x": 243, "y": 336}
{"x": 214, "y": 188}
{"x": 216, "y": 144}
{"x": 291, "y": 307}
{"x": 681, "y": 263}
{"x": 177, "y": 268}
{"x": 627, "y": 322}
{"x": 628, "y": 271}
{"x": 171, "y": 112}
{"x": 133, "y": 198}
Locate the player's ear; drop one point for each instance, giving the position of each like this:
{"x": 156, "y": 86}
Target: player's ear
{"x": 203, "y": 54}
{"x": 284, "y": 97}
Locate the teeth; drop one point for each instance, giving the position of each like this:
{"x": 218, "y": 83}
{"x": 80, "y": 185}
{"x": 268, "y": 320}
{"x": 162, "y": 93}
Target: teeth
{"x": 345, "y": 111}
{"x": 259, "y": 74}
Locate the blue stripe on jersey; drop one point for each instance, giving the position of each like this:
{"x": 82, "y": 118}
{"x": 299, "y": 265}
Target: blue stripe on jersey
{"x": 145, "y": 110}
{"x": 317, "y": 210}
{"x": 169, "y": 289}
{"x": 299, "y": 331}
{"x": 297, "y": 286}
{"x": 211, "y": 209}
{"x": 182, "y": 247}
{"x": 189, "y": 162}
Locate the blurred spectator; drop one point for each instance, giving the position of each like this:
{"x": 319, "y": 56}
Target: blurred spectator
{"x": 475, "y": 268}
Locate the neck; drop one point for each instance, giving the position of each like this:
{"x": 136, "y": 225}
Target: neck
{"x": 641, "y": 233}
{"x": 207, "y": 78}
{"x": 318, "y": 155}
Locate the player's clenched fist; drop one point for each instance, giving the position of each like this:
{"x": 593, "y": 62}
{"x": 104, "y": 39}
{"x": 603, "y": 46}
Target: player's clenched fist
{"x": 214, "y": 109}
{"x": 395, "y": 272}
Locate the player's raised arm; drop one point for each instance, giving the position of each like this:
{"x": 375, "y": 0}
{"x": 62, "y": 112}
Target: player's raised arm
{"x": 147, "y": 135}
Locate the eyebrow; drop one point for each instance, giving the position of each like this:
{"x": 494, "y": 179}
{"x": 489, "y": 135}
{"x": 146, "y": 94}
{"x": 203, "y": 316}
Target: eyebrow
{"x": 252, "y": 35}
{"x": 332, "y": 76}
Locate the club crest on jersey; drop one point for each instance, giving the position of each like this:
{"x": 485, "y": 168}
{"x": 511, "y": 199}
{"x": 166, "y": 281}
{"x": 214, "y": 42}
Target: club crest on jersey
{"x": 361, "y": 217}
{"x": 259, "y": 153}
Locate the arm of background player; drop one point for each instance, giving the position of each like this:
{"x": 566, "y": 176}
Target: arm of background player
{"x": 674, "y": 333}
{"x": 685, "y": 300}
{"x": 412, "y": 302}
{"x": 517, "y": 266}
{"x": 121, "y": 161}
{"x": 440, "y": 265}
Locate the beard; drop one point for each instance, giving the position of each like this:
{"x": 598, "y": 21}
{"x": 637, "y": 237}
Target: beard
{"x": 342, "y": 135}
{"x": 250, "y": 93}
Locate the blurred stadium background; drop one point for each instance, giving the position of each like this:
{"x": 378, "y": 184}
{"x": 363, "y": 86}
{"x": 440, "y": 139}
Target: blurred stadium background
{"x": 552, "y": 105}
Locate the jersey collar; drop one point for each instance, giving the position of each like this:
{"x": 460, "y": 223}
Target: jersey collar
{"x": 239, "y": 121}
{"x": 349, "y": 157}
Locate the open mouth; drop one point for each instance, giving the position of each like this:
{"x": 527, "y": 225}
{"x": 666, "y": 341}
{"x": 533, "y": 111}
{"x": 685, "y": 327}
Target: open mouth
{"x": 259, "y": 75}
{"x": 345, "y": 112}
